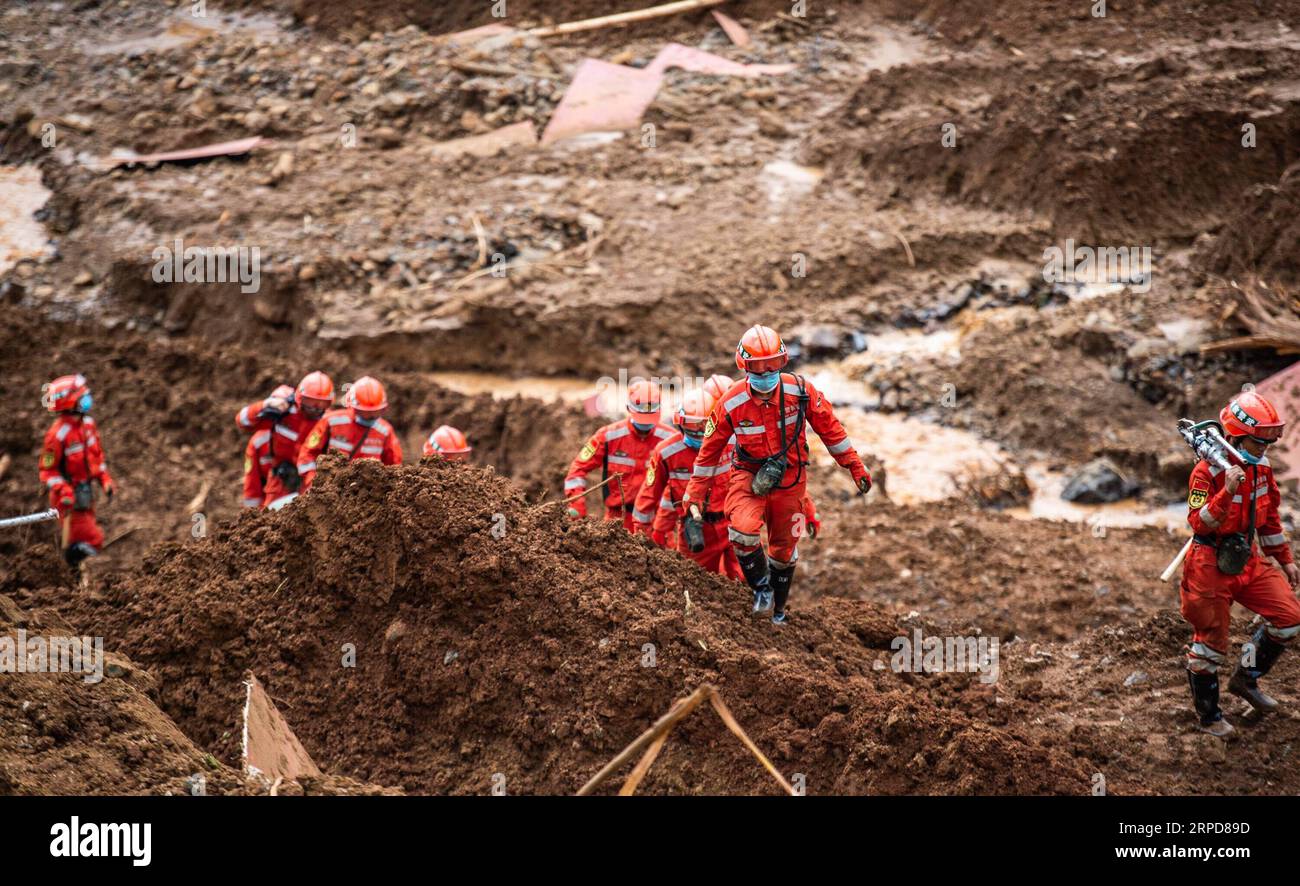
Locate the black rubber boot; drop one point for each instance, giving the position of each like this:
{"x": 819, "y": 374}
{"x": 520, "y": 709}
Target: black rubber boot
{"x": 1244, "y": 679}
{"x": 1205, "y": 696}
{"x": 754, "y": 566}
{"x": 781, "y": 578}
{"x": 76, "y": 552}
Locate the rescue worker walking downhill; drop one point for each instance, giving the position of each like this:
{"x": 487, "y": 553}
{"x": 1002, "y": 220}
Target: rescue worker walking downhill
{"x": 279, "y": 425}
{"x": 358, "y": 430}
{"x": 621, "y": 450}
{"x": 658, "y": 510}
{"x": 769, "y": 412}
{"x": 72, "y": 461}
{"x": 1227, "y": 509}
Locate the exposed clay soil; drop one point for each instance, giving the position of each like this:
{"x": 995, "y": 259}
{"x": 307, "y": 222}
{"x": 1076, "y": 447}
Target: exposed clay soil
{"x": 521, "y": 655}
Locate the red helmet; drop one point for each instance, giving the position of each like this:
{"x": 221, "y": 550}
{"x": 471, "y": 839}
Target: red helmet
{"x": 693, "y": 413}
{"x": 448, "y": 442}
{"x": 367, "y": 395}
{"x": 760, "y": 350}
{"x": 643, "y": 401}
{"x": 1250, "y": 415}
{"x": 62, "y": 394}
{"x": 315, "y": 392}
{"x": 717, "y": 385}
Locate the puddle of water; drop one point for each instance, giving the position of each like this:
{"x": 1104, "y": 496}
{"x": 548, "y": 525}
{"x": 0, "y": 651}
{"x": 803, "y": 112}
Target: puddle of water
{"x": 1046, "y": 504}
{"x": 21, "y": 235}
{"x": 926, "y": 462}
{"x": 548, "y": 390}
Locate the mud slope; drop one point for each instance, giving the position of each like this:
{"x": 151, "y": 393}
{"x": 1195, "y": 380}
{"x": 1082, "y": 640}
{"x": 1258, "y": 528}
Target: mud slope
{"x": 523, "y": 655}
{"x": 60, "y": 734}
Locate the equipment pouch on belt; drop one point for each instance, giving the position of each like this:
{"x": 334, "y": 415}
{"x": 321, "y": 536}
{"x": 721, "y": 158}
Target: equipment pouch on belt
{"x": 287, "y": 471}
{"x": 1234, "y": 550}
{"x": 694, "y": 532}
{"x": 769, "y": 474}
{"x": 83, "y": 496}
{"x": 1232, "y": 553}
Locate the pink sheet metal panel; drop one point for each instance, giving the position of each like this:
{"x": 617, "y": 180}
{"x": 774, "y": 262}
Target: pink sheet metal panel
{"x": 1283, "y": 391}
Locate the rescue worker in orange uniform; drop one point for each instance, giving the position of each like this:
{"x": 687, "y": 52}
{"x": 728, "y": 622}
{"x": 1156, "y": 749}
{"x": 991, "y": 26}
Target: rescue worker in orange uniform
{"x": 449, "y": 443}
{"x": 279, "y": 425}
{"x": 1227, "y": 509}
{"x": 715, "y": 386}
{"x": 258, "y": 457}
{"x": 72, "y": 461}
{"x": 658, "y": 510}
{"x": 358, "y": 430}
{"x": 621, "y": 451}
{"x": 769, "y": 412}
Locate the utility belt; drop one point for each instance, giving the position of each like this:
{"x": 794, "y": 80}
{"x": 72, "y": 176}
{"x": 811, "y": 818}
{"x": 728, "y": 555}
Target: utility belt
{"x": 1232, "y": 551}
{"x": 714, "y": 516}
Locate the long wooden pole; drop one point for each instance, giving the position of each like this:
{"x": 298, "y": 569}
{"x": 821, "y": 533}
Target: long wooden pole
{"x": 622, "y": 18}
{"x": 680, "y": 709}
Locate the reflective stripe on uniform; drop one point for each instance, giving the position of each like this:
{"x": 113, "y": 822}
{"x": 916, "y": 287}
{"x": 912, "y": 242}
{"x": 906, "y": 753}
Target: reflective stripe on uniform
{"x": 666, "y": 503}
{"x": 672, "y": 449}
{"x": 791, "y": 389}
{"x": 709, "y": 470}
{"x": 744, "y": 538}
{"x": 641, "y": 516}
{"x": 265, "y": 460}
{"x": 252, "y": 502}
{"x": 63, "y": 431}
{"x": 742, "y": 397}
{"x": 1207, "y": 518}
{"x": 841, "y": 446}
{"x": 336, "y": 420}
{"x": 781, "y": 564}
{"x": 575, "y": 483}
{"x": 1282, "y": 634}
{"x": 622, "y": 460}
{"x": 73, "y": 448}
{"x": 617, "y": 433}
{"x": 372, "y": 449}
{"x": 1272, "y": 541}
{"x": 283, "y": 431}
{"x": 261, "y": 438}
{"x": 340, "y": 443}
{"x": 55, "y": 481}
{"x": 307, "y": 466}
{"x": 679, "y": 475}
{"x": 243, "y": 417}
{"x": 1200, "y": 650}
{"x": 751, "y": 429}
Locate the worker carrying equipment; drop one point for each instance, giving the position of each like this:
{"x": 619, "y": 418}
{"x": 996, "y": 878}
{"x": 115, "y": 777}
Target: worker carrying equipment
{"x": 1232, "y": 507}
{"x": 621, "y": 450}
{"x": 768, "y": 413}
{"x": 71, "y": 462}
{"x": 278, "y": 426}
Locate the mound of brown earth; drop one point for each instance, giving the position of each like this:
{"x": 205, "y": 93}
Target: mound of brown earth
{"x": 1261, "y": 237}
{"x": 1063, "y": 137}
{"x": 493, "y": 640}
{"x": 63, "y": 734}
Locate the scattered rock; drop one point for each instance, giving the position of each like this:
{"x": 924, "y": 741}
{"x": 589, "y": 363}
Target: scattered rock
{"x": 1098, "y": 482}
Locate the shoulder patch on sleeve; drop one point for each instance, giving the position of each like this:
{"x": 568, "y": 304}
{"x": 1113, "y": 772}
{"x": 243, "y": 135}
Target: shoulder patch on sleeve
{"x": 314, "y": 440}
{"x": 1199, "y": 494}
{"x": 47, "y": 459}
{"x": 709, "y": 427}
{"x": 650, "y": 473}
{"x": 588, "y": 450}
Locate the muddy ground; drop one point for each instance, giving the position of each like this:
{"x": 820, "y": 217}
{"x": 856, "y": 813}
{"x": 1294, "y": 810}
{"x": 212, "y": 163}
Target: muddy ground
{"x": 921, "y": 307}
